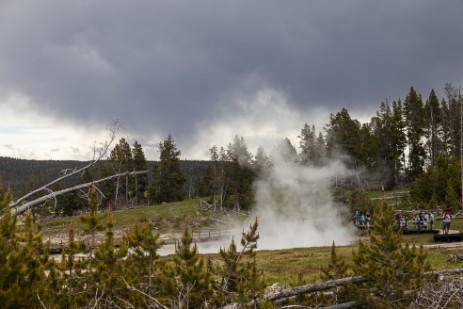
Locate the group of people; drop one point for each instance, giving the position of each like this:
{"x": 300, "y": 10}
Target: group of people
{"x": 362, "y": 219}
{"x": 421, "y": 220}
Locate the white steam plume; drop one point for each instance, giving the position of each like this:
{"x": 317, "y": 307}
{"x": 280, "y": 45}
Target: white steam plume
{"x": 295, "y": 207}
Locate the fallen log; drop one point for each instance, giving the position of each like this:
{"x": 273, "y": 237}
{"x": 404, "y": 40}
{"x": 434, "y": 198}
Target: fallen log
{"x": 347, "y": 305}
{"x": 309, "y": 288}
{"x": 320, "y": 286}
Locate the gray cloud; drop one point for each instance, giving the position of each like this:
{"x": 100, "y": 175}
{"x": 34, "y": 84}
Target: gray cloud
{"x": 169, "y": 66}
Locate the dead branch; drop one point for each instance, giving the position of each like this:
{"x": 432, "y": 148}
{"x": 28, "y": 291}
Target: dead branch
{"x": 320, "y": 286}
{"x": 101, "y": 153}
{"x": 132, "y": 288}
{"x": 309, "y": 288}
{"x": 347, "y": 305}
{"x": 22, "y": 208}
{"x": 447, "y": 293}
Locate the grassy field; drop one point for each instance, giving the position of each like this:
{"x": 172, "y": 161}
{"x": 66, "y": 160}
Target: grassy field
{"x": 166, "y": 218}
{"x": 288, "y": 267}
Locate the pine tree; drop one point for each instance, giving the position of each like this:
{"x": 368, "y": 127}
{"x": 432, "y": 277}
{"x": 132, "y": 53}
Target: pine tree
{"x": 23, "y": 260}
{"x": 122, "y": 161}
{"x": 140, "y": 181}
{"x": 240, "y": 280}
{"x": 441, "y": 181}
{"x": 188, "y": 282}
{"x": 107, "y": 275}
{"x": 168, "y": 175}
{"x": 70, "y": 285}
{"x": 398, "y": 137}
{"x": 390, "y": 139}
{"x": 389, "y": 267}
{"x": 93, "y": 221}
{"x": 142, "y": 269}
{"x": 307, "y": 144}
{"x": 453, "y": 119}
{"x": 451, "y": 198}
{"x": 262, "y": 162}
{"x": 415, "y": 119}
{"x": 336, "y": 269}
{"x": 434, "y": 126}
{"x": 446, "y": 133}
{"x": 240, "y": 175}
{"x": 286, "y": 151}
{"x": 343, "y": 136}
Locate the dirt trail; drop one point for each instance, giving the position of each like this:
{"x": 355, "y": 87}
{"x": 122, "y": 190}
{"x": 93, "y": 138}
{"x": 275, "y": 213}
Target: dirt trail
{"x": 446, "y": 245}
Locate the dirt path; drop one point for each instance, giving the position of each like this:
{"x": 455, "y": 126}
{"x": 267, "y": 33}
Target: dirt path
{"x": 446, "y": 245}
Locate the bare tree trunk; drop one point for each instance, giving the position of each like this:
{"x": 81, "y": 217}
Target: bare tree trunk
{"x": 126, "y": 190}
{"x": 98, "y": 154}
{"x": 320, "y": 286}
{"x": 116, "y": 196}
{"x": 22, "y": 208}
{"x": 136, "y": 191}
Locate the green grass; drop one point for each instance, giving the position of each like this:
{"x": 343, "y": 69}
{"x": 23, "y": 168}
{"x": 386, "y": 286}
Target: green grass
{"x": 288, "y": 267}
{"x": 165, "y": 217}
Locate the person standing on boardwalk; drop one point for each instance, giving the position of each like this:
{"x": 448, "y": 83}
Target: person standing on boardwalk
{"x": 368, "y": 220}
{"x": 404, "y": 222}
{"x": 447, "y": 221}
{"x": 431, "y": 220}
{"x": 356, "y": 218}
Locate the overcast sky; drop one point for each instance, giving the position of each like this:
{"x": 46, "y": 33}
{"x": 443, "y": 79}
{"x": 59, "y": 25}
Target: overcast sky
{"x": 205, "y": 71}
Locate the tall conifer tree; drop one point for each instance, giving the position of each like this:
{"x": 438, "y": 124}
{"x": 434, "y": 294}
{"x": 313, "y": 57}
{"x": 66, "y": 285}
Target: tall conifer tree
{"x": 434, "y": 127}
{"x": 415, "y": 119}
{"x": 139, "y": 164}
{"x": 168, "y": 175}
{"x": 389, "y": 267}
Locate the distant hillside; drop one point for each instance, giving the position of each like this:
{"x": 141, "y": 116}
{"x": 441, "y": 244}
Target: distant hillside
{"x": 15, "y": 172}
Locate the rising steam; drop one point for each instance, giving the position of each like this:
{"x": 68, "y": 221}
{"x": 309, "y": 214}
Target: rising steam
{"x": 295, "y": 207}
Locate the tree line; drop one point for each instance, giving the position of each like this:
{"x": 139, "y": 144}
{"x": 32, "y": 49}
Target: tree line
{"x": 415, "y": 143}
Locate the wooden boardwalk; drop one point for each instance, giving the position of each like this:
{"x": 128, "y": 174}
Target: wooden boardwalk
{"x": 453, "y": 235}
{"x": 439, "y": 235}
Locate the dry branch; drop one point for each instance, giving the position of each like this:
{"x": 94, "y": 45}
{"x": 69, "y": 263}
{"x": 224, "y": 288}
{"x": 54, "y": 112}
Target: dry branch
{"x": 309, "y": 288}
{"x": 320, "y": 286}
{"x": 21, "y": 205}
{"x": 22, "y": 208}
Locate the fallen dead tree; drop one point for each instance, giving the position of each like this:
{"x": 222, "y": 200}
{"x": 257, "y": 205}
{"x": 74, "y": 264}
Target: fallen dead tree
{"x": 446, "y": 293}
{"x": 23, "y": 207}
{"x": 98, "y": 154}
{"x": 22, "y": 204}
{"x": 321, "y": 286}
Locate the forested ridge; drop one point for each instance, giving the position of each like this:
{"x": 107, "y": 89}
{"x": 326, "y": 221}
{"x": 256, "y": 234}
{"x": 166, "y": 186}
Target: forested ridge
{"x": 14, "y": 172}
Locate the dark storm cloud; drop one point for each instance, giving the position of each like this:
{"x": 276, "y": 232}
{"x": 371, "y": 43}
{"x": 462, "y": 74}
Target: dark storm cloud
{"x": 164, "y": 66}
